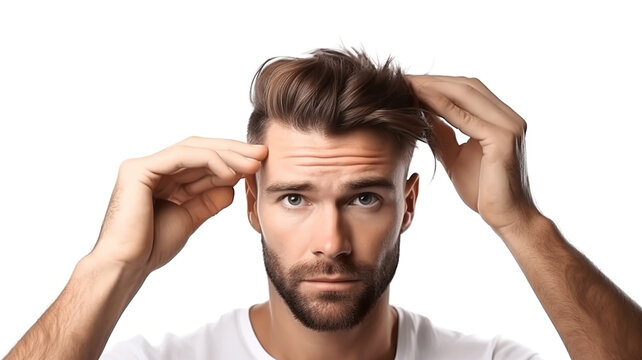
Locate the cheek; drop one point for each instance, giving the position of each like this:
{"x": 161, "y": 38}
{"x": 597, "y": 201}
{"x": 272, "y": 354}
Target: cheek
{"x": 280, "y": 232}
{"x": 375, "y": 235}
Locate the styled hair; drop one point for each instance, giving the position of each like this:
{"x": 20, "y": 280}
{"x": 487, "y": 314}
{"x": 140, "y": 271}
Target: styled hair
{"x": 336, "y": 91}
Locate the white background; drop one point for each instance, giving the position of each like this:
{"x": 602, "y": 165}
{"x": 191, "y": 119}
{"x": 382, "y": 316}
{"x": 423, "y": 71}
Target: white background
{"x": 85, "y": 85}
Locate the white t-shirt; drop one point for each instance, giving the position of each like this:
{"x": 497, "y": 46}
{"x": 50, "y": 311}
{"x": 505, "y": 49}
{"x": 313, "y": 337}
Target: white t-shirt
{"x": 232, "y": 337}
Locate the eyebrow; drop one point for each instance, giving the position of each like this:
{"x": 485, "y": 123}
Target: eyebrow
{"x": 368, "y": 182}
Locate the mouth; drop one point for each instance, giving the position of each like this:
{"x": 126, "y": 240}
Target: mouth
{"x": 330, "y": 279}
{"x": 331, "y": 283}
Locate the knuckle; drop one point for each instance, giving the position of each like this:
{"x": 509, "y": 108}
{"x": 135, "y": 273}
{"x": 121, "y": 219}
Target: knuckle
{"x": 220, "y": 168}
{"x": 189, "y": 139}
{"x": 468, "y": 88}
{"x": 471, "y": 81}
{"x": 467, "y": 117}
{"x": 519, "y": 129}
{"x": 189, "y": 191}
{"x": 215, "y": 155}
{"x": 231, "y": 173}
{"x": 475, "y": 81}
{"x": 209, "y": 203}
{"x": 477, "y": 84}
{"x": 126, "y": 165}
{"x": 516, "y": 130}
{"x": 179, "y": 152}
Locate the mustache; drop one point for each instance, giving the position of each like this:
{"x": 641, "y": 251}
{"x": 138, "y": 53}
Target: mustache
{"x": 324, "y": 267}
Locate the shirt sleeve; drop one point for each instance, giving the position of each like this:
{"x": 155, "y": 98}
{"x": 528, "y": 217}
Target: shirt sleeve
{"x": 138, "y": 348}
{"x": 135, "y": 348}
{"x": 506, "y": 349}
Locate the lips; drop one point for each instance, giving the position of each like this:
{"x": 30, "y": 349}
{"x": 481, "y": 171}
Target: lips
{"x": 333, "y": 279}
{"x": 331, "y": 283}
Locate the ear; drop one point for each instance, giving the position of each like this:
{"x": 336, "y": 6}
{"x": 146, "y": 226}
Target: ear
{"x": 410, "y": 198}
{"x": 250, "y": 195}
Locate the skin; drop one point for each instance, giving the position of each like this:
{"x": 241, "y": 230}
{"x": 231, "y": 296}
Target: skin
{"x": 157, "y": 203}
{"x": 329, "y": 223}
{"x": 161, "y": 199}
{"x": 594, "y": 318}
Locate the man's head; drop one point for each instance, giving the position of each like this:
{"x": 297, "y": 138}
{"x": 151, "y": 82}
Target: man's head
{"x": 332, "y": 198}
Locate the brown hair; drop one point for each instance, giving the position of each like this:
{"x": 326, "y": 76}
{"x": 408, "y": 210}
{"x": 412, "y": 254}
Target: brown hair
{"x": 335, "y": 91}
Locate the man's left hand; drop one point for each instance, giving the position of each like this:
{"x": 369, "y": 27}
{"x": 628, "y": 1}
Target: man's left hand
{"x": 489, "y": 170}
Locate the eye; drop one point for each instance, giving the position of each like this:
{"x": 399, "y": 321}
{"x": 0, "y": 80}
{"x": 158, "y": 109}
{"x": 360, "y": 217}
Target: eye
{"x": 292, "y": 200}
{"x": 366, "y": 199}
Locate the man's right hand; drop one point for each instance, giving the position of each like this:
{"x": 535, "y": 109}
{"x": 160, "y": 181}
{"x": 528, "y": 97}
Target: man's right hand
{"x": 161, "y": 199}
{"x": 158, "y": 202}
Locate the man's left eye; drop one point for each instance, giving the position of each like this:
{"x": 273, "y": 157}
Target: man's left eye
{"x": 366, "y": 199}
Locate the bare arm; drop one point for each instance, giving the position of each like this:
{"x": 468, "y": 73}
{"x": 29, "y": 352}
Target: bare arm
{"x": 78, "y": 324}
{"x": 594, "y": 318}
{"x": 157, "y": 203}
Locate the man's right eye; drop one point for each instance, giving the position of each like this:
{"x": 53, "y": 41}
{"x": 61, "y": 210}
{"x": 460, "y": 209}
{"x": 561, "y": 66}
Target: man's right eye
{"x": 292, "y": 200}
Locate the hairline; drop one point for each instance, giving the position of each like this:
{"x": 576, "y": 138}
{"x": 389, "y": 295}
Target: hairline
{"x": 404, "y": 152}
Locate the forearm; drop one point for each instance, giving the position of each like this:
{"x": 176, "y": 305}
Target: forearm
{"x": 594, "y": 318}
{"x": 78, "y": 324}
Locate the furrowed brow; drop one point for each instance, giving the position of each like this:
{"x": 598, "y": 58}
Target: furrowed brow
{"x": 288, "y": 187}
{"x": 379, "y": 182}
{"x": 358, "y": 184}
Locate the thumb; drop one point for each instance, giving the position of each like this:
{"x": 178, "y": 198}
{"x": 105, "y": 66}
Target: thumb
{"x": 447, "y": 147}
{"x": 208, "y": 204}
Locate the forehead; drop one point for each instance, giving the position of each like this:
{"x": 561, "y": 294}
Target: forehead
{"x": 328, "y": 160}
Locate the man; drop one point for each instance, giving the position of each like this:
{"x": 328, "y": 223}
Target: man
{"x": 327, "y": 188}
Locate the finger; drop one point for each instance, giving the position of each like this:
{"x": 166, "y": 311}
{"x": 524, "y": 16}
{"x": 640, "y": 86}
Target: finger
{"x": 240, "y": 163}
{"x": 189, "y": 175}
{"x": 167, "y": 184}
{"x": 186, "y": 192}
{"x": 176, "y": 157}
{"x": 447, "y": 146}
{"x": 471, "y": 100}
{"x": 208, "y": 204}
{"x": 182, "y": 186}
{"x": 204, "y": 184}
{"x": 481, "y": 87}
{"x": 511, "y": 120}
{"x": 458, "y": 117}
{"x": 233, "y": 159}
{"x": 255, "y": 151}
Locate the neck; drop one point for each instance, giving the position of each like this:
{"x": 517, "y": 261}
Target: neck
{"x": 284, "y": 337}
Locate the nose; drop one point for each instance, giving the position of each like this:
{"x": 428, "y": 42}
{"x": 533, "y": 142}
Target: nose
{"x": 330, "y": 236}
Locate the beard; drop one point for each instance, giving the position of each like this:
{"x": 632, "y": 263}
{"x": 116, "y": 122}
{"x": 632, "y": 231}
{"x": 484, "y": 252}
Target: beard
{"x": 331, "y": 310}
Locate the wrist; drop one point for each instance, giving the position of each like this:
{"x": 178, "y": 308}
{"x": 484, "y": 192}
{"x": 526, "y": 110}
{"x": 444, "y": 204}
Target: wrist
{"x": 537, "y": 237}
{"x": 112, "y": 276}
{"x": 530, "y": 222}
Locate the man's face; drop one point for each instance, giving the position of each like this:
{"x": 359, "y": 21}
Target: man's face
{"x": 330, "y": 210}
